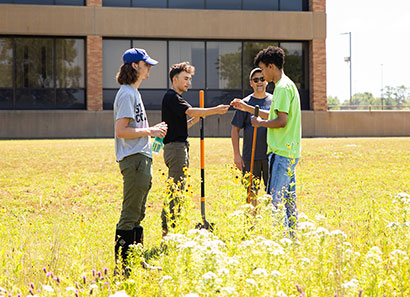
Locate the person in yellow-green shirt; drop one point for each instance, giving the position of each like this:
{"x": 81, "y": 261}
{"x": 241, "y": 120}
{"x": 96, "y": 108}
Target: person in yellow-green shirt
{"x": 283, "y": 121}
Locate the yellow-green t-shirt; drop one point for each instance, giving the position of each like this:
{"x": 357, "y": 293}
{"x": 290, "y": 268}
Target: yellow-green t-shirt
{"x": 286, "y": 141}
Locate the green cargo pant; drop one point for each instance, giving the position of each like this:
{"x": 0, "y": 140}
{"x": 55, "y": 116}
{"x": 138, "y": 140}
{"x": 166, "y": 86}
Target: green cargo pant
{"x": 176, "y": 157}
{"x": 136, "y": 173}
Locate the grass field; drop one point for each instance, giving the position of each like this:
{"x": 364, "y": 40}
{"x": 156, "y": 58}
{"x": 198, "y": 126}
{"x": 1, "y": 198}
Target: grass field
{"x": 60, "y": 201}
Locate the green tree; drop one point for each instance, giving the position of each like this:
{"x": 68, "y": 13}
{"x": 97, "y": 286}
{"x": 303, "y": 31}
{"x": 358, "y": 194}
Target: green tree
{"x": 396, "y": 95}
{"x": 333, "y": 101}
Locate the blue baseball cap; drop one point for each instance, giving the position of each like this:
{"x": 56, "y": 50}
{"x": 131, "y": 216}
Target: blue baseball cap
{"x": 134, "y": 55}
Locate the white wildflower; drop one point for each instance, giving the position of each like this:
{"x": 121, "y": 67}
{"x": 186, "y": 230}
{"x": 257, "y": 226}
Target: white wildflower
{"x": 402, "y": 195}
{"x": 320, "y": 217}
{"x": 231, "y": 261}
{"x": 164, "y": 279}
{"x": 48, "y": 288}
{"x": 376, "y": 249}
{"x": 286, "y": 241}
{"x": 322, "y": 230}
{"x": 392, "y": 225}
{"x": 228, "y": 290}
{"x": 247, "y": 243}
{"x": 120, "y": 294}
{"x": 337, "y": 233}
{"x": 352, "y": 284}
{"x": 275, "y": 274}
{"x": 70, "y": 289}
{"x": 348, "y": 251}
{"x": 281, "y": 294}
{"x": 238, "y": 213}
{"x": 305, "y": 260}
{"x": 223, "y": 271}
{"x": 209, "y": 275}
{"x": 260, "y": 271}
{"x": 306, "y": 225}
{"x": 303, "y": 216}
{"x": 188, "y": 244}
{"x": 251, "y": 281}
{"x": 93, "y": 286}
{"x": 398, "y": 253}
{"x": 406, "y": 224}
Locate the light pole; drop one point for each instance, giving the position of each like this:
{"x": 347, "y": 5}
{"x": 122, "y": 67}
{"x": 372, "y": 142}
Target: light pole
{"x": 349, "y": 59}
{"x": 381, "y": 91}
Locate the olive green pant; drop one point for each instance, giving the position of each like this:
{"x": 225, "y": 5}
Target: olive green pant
{"x": 136, "y": 173}
{"x": 176, "y": 157}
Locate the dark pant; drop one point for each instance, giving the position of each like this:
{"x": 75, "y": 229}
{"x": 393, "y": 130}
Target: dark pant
{"x": 176, "y": 157}
{"x": 136, "y": 173}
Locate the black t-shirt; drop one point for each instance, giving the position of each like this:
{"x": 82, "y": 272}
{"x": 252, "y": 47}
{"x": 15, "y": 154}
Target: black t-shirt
{"x": 242, "y": 120}
{"x": 173, "y": 113}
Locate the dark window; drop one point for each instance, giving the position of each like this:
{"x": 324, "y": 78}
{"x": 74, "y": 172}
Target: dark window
{"x": 108, "y": 98}
{"x": 6, "y": 63}
{"x": 41, "y": 2}
{"x": 152, "y": 98}
{"x": 222, "y": 71}
{"x": 194, "y": 53}
{"x": 221, "y": 96}
{"x": 70, "y": 99}
{"x": 250, "y": 50}
{"x": 191, "y": 4}
{"x": 223, "y": 61}
{"x": 261, "y": 5}
{"x": 118, "y": 3}
{"x": 34, "y": 63}
{"x": 150, "y": 3}
{"x": 292, "y": 5}
{"x": 226, "y": 4}
{"x": 112, "y": 60}
{"x": 70, "y": 63}
{"x": 42, "y": 73}
{"x": 6, "y": 98}
{"x": 70, "y": 2}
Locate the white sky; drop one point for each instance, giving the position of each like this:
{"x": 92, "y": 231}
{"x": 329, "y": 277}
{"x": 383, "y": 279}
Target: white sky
{"x": 380, "y": 35}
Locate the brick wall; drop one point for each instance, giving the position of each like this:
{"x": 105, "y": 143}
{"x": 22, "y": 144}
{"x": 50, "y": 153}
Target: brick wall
{"x": 94, "y": 72}
{"x": 317, "y": 64}
{"x": 317, "y": 5}
{"x": 317, "y": 70}
{"x": 94, "y": 2}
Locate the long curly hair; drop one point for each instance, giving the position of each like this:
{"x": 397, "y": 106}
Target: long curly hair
{"x": 127, "y": 74}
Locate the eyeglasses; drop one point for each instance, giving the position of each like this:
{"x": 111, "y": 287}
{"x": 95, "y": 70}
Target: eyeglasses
{"x": 257, "y": 79}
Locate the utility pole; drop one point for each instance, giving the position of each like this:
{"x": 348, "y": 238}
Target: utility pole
{"x": 349, "y": 59}
{"x": 381, "y": 90}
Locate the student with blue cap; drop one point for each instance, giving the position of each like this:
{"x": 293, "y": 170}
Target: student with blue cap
{"x": 133, "y": 148}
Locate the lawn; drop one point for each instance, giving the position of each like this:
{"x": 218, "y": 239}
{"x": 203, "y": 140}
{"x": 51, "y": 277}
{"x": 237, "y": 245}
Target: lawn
{"x": 60, "y": 201}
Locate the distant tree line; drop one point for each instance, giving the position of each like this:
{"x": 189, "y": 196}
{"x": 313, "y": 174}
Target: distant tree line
{"x": 393, "y": 98}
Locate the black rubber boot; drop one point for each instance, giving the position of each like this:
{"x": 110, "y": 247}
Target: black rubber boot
{"x": 123, "y": 239}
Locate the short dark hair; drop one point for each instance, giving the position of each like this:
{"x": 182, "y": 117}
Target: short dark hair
{"x": 271, "y": 55}
{"x": 180, "y": 67}
{"x": 127, "y": 74}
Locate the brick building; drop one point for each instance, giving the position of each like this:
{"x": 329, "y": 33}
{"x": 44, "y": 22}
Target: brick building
{"x": 58, "y": 58}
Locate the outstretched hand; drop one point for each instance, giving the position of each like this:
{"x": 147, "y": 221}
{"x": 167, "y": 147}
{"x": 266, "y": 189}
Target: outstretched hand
{"x": 238, "y": 104}
{"x": 222, "y": 108}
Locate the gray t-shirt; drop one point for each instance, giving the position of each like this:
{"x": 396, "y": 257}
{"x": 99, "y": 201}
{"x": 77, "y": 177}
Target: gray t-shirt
{"x": 128, "y": 104}
{"x": 242, "y": 120}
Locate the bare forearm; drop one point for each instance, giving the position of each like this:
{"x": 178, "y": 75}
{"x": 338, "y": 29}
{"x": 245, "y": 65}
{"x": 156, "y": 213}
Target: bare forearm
{"x": 276, "y": 123}
{"x": 251, "y": 109}
{"x": 201, "y": 112}
{"x": 129, "y": 132}
{"x": 235, "y": 141}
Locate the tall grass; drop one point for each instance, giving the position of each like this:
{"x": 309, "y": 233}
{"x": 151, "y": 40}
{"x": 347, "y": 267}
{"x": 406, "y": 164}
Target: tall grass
{"x": 60, "y": 201}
